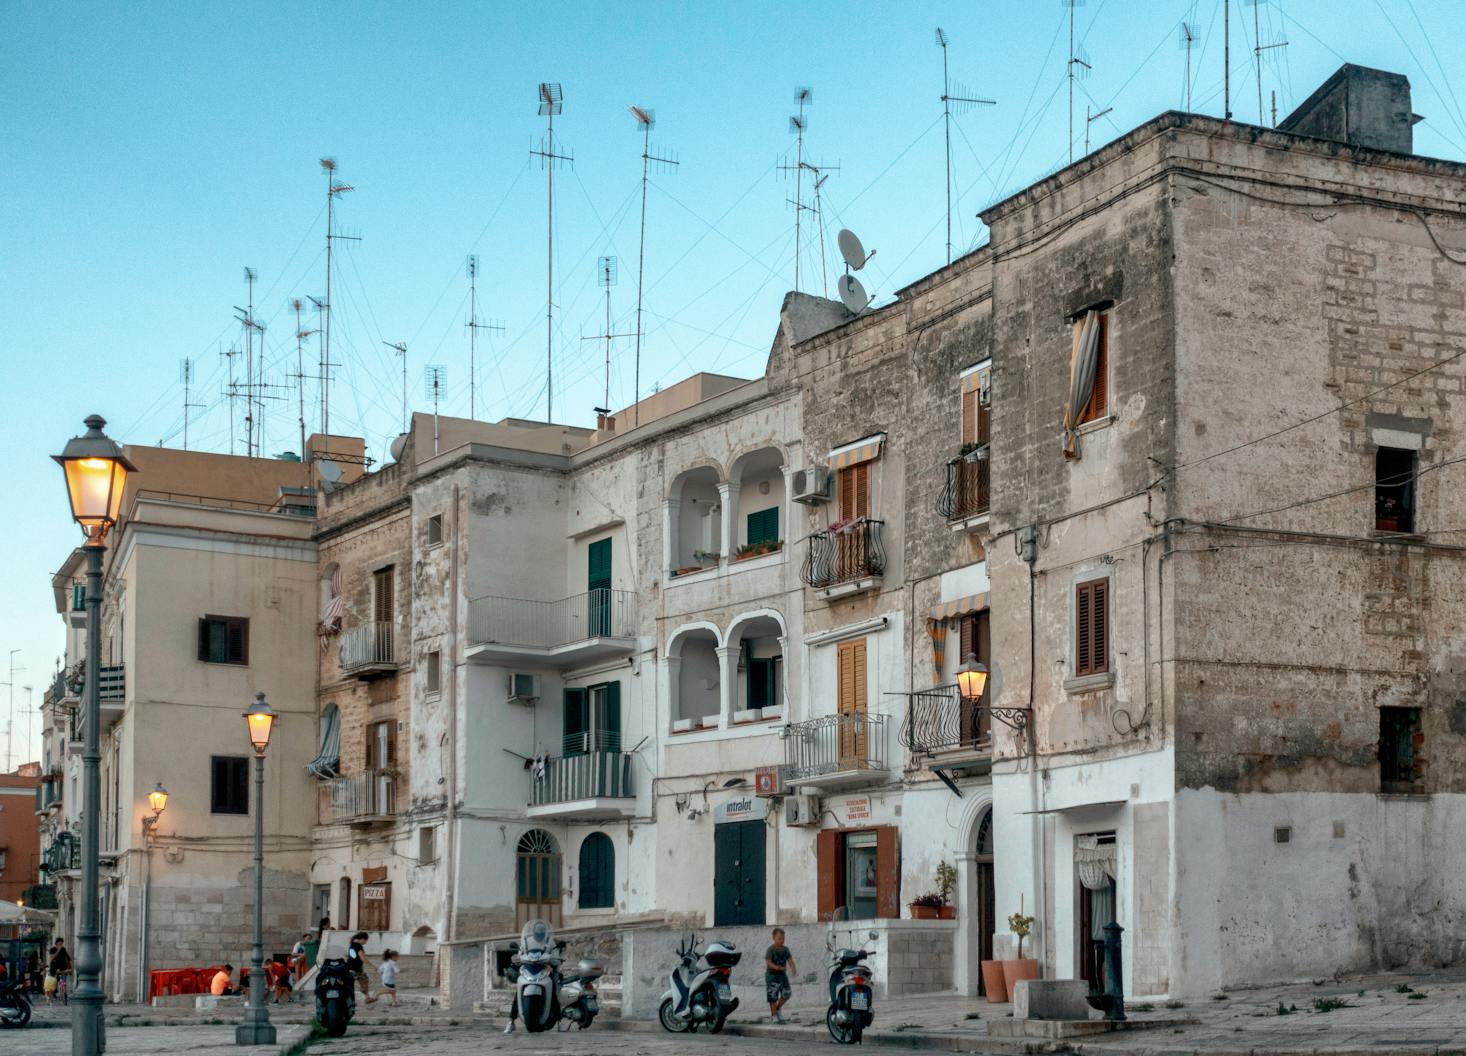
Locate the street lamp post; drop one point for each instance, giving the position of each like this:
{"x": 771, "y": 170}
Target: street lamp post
{"x": 96, "y": 473}
{"x": 256, "y": 1029}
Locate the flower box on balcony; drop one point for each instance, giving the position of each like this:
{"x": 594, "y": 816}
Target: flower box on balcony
{"x": 748, "y": 715}
{"x": 748, "y": 550}
{"x": 681, "y": 725}
{"x": 773, "y": 713}
{"x": 708, "y": 722}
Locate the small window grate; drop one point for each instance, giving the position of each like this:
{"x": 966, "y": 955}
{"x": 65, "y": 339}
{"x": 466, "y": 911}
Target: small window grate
{"x": 1283, "y": 834}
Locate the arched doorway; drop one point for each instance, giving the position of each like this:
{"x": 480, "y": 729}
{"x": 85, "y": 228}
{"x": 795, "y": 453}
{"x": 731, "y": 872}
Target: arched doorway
{"x": 982, "y": 864}
{"x": 537, "y": 878}
{"x": 597, "y": 872}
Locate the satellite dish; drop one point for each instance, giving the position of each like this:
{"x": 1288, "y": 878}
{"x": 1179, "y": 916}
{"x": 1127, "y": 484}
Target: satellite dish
{"x": 397, "y": 447}
{"x": 330, "y": 474}
{"x": 852, "y": 293}
{"x": 852, "y": 249}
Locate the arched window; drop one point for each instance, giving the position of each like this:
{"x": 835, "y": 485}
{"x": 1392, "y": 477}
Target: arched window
{"x": 597, "y": 872}
{"x": 537, "y": 865}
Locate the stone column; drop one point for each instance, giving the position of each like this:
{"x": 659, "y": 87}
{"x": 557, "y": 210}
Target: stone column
{"x": 671, "y": 675}
{"x": 728, "y": 496}
{"x": 727, "y": 683}
{"x": 671, "y": 522}
{"x": 967, "y": 943}
{"x": 784, "y": 679}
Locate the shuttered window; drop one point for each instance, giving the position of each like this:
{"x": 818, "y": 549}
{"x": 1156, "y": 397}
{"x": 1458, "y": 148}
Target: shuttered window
{"x": 383, "y": 585}
{"x": 1091, "y": 628}
{"x": 1099, "y": 398}
{"x": 975, "y": 417}
{"x": 381, "y": 745}
{"x": 224, "y": 640}
{"x": 597, "y": 872}
{"x": 854, "y": 489}
{"x": 229, "y": 784}
{"x": 851, "y": 663}
{"x": 763, "y": 526}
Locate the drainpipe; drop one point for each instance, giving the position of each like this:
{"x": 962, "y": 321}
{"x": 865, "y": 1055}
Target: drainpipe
{"x": 1029, "y": 554}
{"x": 142, "y": 931}
{"x": 451, "y": 841}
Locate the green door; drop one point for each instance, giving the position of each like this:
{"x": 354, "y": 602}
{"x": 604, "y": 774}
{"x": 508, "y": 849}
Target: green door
{"x": 576, "y": 731}
{"x": 598, "y": 589}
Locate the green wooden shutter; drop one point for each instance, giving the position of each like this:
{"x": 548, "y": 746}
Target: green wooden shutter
{"x": 597, "y": 872}
{"x": 576, "y": 724}
{"x": 599, "y": 577}
{"x": 763, "y": 526}
{"x": 610, "y": 739}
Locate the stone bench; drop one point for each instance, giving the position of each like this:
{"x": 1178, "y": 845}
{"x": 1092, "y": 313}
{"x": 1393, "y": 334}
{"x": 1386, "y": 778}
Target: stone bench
{"x": 1053, "y": 999}
{"x": 207, "y": 1002}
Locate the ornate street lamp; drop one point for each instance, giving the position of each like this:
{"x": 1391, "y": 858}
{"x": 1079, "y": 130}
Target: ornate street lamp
{"x": 972, "y": 679}
{"x": 96, "y": 474}
{"x": 256, "y": 1028}
{"x": 157, "y": 802}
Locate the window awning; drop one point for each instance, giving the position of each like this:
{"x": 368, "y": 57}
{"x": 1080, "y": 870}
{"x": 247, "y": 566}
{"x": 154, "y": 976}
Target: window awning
{"x": 960, "y": 606}
{"x": 864, "y": 450}
{"x": 328, "y": 759}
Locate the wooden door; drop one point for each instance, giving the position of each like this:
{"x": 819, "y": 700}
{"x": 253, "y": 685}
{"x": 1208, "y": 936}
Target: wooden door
{"x": 598, "y": 586}
{"x": 537, "y": 878}
{"x": 854, "y": 738}
{"x": 374, "y": 907}
{"x": 987, "y": 918}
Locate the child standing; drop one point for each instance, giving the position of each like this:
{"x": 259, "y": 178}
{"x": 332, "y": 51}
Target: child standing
{"x": 389, "y": 973}
{"x": 778, "y": 967}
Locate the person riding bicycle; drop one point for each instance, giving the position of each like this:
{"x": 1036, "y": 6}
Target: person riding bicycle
{"x": 60, "y": 967}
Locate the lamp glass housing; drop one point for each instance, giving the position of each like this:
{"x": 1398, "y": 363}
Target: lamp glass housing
{"x": 158, "y": 799}
{"x": 96, "y": 475}
{"x": 972, "y": 678}
{"x": 260, "y": 719}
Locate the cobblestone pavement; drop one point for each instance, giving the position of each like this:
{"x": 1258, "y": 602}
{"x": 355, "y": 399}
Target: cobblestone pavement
{"x": 485, "y": 1038}
{"x": 148, "y": 1041}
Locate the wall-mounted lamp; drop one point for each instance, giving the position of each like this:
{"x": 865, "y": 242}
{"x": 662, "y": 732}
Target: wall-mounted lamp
{"x": 157, "y": 802}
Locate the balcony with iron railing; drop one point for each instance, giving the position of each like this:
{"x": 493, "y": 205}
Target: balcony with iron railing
{"x": 846, "y": 558}
{"x": 369, "y": 650}
{"x": 63, "y": 855}
{"x": 964, "y": 500}
{"x": 836, "y": 751}
{"x": 597, "y": 625}
{"x": 359, "y": 799}
{"x": 48, "y": 793}
{"x": 592, "y": 781}
{"x": 939, "y": 727}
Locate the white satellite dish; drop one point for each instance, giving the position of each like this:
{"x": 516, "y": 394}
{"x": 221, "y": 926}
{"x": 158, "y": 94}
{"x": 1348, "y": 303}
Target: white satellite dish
{"x": 330, "y": 474}
{"x": 852, "y": 293}
{"x": 852, "y": 249}
{"x": 398, "y": 446}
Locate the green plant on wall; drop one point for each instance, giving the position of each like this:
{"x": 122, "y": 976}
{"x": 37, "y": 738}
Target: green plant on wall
{"x": 946, "y": 881}
{"x": 1021, "y": 926}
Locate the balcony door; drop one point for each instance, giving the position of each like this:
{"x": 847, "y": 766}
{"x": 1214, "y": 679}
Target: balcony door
{"x": 598, "y": 587}
{"x": 381, "y": 756}
{"x": 853, "y": 490}
{"x": 537, "y": 878}
{"x": 854, "y": 740}
{"x": 592, "y": 720}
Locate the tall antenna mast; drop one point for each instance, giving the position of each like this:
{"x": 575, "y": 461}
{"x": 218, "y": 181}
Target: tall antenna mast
{"x": 1274, "y": 94}
{"x": 645, "y": 120}
{"x": 552, "y": 102}
{"x": 185, "y": 371}
{"x": 1090, "y": 119}
{"x": 301, "y": 334}
{"x": 232, "y": 391}
{"x": 400, "y": 348}
{"x": 247, "y": 318}
{"x": 334, "y": 190}
{"x": 797, "y": 124}
{"x": 435, "y": 381}
{"x": 474, "y": 326}
{"x": 964, "y": 102}
{"x": 1075, "y": 59}
{"x": 1186, "y": 38}
{"x": 1258, "y": 47}
{"x": 606, "y": 278}
{"x": 1226, "y": 60}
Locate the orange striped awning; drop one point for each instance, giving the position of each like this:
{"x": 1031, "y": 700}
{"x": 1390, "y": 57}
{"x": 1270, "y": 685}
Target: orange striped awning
{"x": 865, "y": 450}
{"x": 960, "y": 606}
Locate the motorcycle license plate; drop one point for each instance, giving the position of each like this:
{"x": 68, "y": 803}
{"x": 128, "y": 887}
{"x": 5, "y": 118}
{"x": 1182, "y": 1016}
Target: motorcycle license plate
{"x": 534, "y": 990}
{"x": 725, "y": 992}
{"x": 590, "y": 1004}
{"x": 333, "y": 993}
{"x": 860, "y": 1000}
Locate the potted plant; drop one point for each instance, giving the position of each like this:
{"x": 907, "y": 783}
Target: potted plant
{"x": 946, "y": 884}
{"x": 766, "y": 546}
{"x": 1020, "y": 968}
{"x": 926, "y": 907}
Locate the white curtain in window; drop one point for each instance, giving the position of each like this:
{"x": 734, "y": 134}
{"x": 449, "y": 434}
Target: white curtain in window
{"x": 331, "y": 611}
{"x": 1082, "y": 363}
{"x": 328, "y": 759}
{"x": 1095, "y": 863}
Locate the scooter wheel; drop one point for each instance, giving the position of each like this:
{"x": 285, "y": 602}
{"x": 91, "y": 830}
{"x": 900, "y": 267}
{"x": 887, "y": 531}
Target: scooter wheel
{"x": 842, "y": 1035}
{"x": 669, "y": 1021}
{"x": 16, "y": 1011}
{"x": 716, "y": 1025}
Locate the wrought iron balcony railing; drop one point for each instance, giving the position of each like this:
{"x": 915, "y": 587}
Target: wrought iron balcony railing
{"x": 966, "y": 493}
{"x": 369, "y": 645}
{"x": 833, "y": 744}
{"x": 845, "y": 553}
{"x": 365, "y": 796}
{"x": 939, "y": 720}
{"x": 594, "y": 774}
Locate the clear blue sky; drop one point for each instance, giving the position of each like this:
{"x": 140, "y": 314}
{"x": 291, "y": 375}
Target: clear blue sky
{"x": 151, "y": 152}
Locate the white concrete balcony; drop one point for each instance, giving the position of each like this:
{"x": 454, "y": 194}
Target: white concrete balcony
{"x": 835, "y": 752}
{"x": 367, "y": 798}
{"x": 583, "y": 628}
{"x": 594, "y": 785}
{"x": 369, "y": 651}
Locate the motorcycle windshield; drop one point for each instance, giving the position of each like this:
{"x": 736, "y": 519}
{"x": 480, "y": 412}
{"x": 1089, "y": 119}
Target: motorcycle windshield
{"x": 536, "y": 937}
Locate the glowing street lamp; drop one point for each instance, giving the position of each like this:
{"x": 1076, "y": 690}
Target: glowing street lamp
{"x": 256, "y": 1028}
{"x": 96, "y": 473}
{"x": 972, "y": 678}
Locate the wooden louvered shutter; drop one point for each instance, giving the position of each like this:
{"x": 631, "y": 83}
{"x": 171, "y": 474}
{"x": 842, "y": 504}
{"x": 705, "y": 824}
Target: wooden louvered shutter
{"x": 1099, "y": 398}
{"x": 1101, "y": 635}
{"x": 382, "y": 599}
{"x": 967, "y": 639}
{"x": 888, "y": 871}
{"x": 829, "y": 870}
{"x": 236, "y": 649}
{"x": 610, "y": 722}
{"x": 1091, "y": 629}
{"x": 389, "y": 731}
{"x": 854, "y": 488}
{"x": 970, "y": 414}
{"x": 372, "y": 762}
{"x": 574, "y": 729}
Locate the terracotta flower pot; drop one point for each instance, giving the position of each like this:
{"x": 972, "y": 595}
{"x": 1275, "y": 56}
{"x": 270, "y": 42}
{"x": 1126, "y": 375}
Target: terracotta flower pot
{"x": 1015, "y": 972}
{"x": 993, "y": 983}
{"x": 923, "y": 912}
{"x": 947, "y": 913}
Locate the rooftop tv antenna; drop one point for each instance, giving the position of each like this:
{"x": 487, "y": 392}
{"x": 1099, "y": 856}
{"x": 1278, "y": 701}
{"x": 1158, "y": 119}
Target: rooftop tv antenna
{"x": 1079, "y": 59}
{"x": 798, "y": 124}
{"x": 1226, "y": 60}
{"x": 818, "y": 174}
{"x": 964, "y": 102}
{"x": 646, "y": 120}
{"x": 435, "y": 384}
{"x": 1090, "y": 119}
{"x": 1186, "y": 38}
{"x": 231, "y": 391}
{"x": 474, "y": 326}
{"x": 334, "y": 190}
{"x": 606, "y": 278}
{"x": 185, "y": 374}
{"x": 852, "y": 292}
{"x": 1258, "y": 47}
{"x": 301, "y": 334}
{"x": 251, "y": 327}
{"x": 401, "y": 349}
{"x": 552, "y": 102}
{"x": 323, "y": 363}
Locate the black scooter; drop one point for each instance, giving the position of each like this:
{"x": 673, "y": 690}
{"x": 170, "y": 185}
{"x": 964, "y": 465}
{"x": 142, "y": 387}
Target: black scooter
{"x": 335, "y": 996}
{"x": 15, "y": 1006}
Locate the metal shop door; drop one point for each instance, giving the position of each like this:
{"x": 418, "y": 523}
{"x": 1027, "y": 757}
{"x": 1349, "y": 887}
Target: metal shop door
{"x": 738, "y": 873}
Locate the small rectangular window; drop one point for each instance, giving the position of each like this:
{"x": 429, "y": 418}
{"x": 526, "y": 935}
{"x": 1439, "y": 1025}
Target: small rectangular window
{"x": 1099, "y": 396}
{"x": 427, "y": 851}
{"x": 229, "y": 786}
{"x": 1401, "y": 741}
{"x": 1394, "y": 490}
{"x": 381, "y": 745}
{"x": 223, "y": 640}
{"x": 1091, "y": 628}
{"x": 435, "y": 671}
{"x": 435, "y": 530}
{"x": 763, "y": 526}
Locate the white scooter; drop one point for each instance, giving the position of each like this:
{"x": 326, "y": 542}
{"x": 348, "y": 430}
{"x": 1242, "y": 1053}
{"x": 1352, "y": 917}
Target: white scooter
{"x": 852, "y": 1004}
{"x": 578, "y": 1001}
{"x": 700, "y": 996}
{"x": 537, "y": 957}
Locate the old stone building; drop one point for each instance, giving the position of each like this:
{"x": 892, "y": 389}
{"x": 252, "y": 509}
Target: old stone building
{"x": 1232, "y": 603}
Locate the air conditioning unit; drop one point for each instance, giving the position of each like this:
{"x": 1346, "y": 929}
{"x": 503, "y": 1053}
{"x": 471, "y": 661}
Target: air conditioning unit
{"x": 524, "y": 688}
{"x": 812, "y": 485}
{"x": 801, "y": 811}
